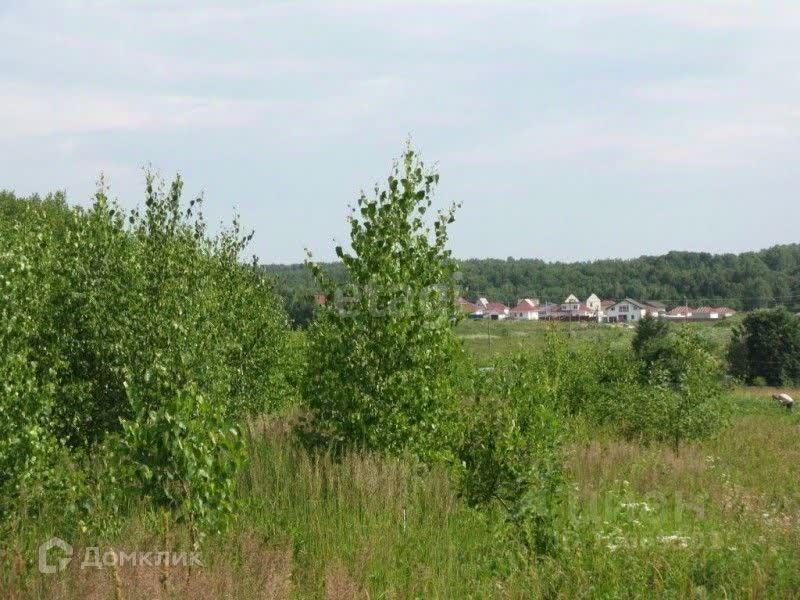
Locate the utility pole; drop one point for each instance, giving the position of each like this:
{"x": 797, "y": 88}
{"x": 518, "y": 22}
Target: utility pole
{"x": 488, "y": 335}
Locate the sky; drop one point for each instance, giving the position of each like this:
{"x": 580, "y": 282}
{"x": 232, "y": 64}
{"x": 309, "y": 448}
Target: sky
{"x": 568, "y": 130}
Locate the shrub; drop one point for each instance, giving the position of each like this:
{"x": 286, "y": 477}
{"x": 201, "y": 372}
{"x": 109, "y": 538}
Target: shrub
{"x": 680, "y": 397}
{"x": 138, "y": 336}
{"x": 510, "y": 455}
{"x": 185, "y": 455}
{"x": 766, "y": 346}
{"x": 561, "y": 378}
{"x": 380, "y": 354}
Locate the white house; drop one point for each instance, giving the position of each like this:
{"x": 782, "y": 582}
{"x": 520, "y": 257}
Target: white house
{"x": 571, "y": 304}
{"x": 704, "y": 313}
{"x": 496, "y": 311}
{"x": 526, "y": 309}
{"x": 629, "y": 310}
{"x": 680, "y": 312}
{"x": 594, "y": 303}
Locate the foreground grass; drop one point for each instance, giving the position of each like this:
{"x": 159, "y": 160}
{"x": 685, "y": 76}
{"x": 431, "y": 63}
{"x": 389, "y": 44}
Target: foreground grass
{"x": 719, "y": 519}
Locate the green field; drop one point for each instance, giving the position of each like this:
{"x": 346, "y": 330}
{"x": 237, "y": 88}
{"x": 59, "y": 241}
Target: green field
{"x": 486, "y": 339}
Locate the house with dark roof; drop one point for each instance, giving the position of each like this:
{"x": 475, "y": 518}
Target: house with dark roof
{"x": 630, "y": 310}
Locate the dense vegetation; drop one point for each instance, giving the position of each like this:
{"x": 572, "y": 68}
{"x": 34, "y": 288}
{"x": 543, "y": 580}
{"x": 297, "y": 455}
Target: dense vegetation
{"x": 765, "y": 348}
{"x": 382, "y": 355}
{"x": 153, "y": 396}
{"x": 137, "y": 341}
{"x": 743, "y": 282}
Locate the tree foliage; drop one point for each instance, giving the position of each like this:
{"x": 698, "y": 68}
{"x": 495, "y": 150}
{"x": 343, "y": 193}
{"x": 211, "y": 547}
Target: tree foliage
{"x": 381, "y": 352}
{"x": 743, "y": 282}
{"x": 676, "y": 394}
{"x": 138, "y": 335}
{"x": 766, "y": 346}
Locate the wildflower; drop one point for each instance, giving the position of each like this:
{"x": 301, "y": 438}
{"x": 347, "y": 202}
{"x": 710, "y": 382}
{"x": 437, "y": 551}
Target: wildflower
{"x": 679, "y": 540}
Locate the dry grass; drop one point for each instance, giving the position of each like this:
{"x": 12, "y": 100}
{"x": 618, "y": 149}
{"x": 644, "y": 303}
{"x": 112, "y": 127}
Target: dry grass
{"x": 767, "y": 392}
{"x": 253, "y": 570}
{"x": 369, "y": 527}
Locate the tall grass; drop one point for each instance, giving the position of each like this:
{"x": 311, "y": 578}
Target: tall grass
{"x": 721, "y": 519}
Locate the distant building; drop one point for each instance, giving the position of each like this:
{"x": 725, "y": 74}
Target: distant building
{"x": 465, "y": 306}
{"x": 712, "y": 313}
{"x": 659, "y": 306}
{"x": 680, "y": 312}
{"x": 571, "y": 309}
{"x": 570, "y": 304}
{"x": 630, "y": 310}
{"x": 704, "y": 313}
{"x": 594, "y": 303}
{"x": 496, "y": 311}
{"x": 527, "y": 309}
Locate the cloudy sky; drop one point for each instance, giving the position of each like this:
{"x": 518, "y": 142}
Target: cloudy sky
{"x": 569, "y": 130}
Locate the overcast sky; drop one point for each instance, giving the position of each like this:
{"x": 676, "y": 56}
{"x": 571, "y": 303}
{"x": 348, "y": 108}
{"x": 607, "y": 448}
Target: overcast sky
{"x": 569, "y": 130}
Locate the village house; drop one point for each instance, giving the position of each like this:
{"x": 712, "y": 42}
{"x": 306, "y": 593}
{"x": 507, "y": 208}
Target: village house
{"x": 594, "y": 303}
{"x": 572, "y": 309}
{"x": 465, "y": 306}
{"x": 710, "y": 312}
{"x": 700, "y": 314}
{"x": 496, "y": 311}
{"x": 660, "y": 307}
{"x": 630, "y": 310}
{"x": 680, "y": 312}
{"x": 570, "y": 304}
{"x": 527, "y": 309}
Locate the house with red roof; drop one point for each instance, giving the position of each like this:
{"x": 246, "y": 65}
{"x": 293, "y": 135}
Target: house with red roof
{"x": 496, "y": 311}
{"x": 527, "y": 309}
{"x": 680, "y": 312}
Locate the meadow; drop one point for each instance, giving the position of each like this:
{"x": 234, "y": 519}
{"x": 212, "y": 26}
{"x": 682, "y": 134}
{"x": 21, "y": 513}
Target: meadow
{"x": 719, "y": 519}
{"x": 486, "y": 339}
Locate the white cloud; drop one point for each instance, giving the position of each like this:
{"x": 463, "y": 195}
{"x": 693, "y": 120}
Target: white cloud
{"x": 41, "y": 111}
{"x": 687, "y": 88}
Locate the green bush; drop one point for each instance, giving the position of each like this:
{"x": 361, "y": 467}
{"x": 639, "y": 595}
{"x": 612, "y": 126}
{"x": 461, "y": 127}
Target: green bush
{"x": 185, "y": 455}
{"x": 766, "y": 347}
{"x": 381, "y": 353}
{"x": 134, "y": 335}
{"x": 510, "y": 455}
{"x": 679, "y": 396}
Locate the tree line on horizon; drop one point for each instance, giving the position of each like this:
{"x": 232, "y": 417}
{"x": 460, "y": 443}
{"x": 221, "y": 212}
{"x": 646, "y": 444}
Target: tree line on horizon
{"x": 759, "y": 279}
{"x": 746, "y": 281}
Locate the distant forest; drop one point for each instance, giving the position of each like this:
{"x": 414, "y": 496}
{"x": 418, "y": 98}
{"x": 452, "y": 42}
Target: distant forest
{"x": 741, "y": 281}
{"x": 745, "y": 281}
